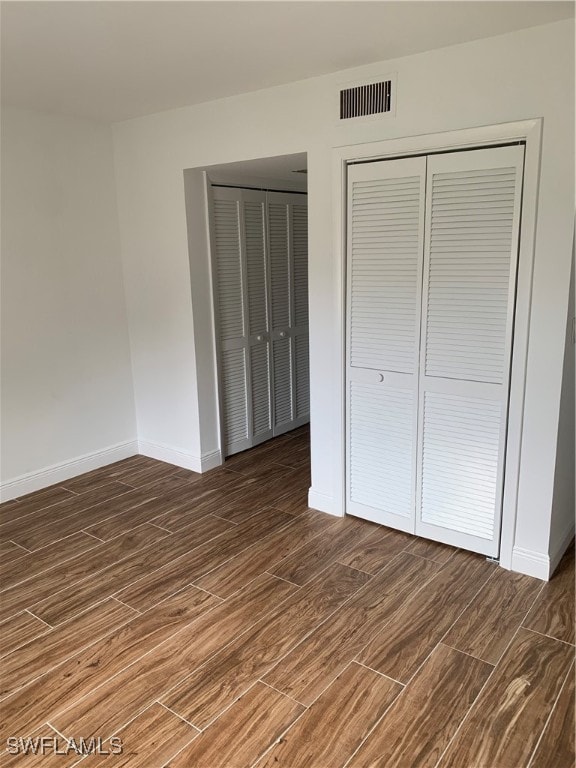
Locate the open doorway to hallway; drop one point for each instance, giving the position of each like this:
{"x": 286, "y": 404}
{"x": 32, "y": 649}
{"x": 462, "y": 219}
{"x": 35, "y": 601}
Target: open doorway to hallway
{"x": 258, "y": 224}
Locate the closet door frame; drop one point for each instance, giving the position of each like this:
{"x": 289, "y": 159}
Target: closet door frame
{"x": 529, "y": 132}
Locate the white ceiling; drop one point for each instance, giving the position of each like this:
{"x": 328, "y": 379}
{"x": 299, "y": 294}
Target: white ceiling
{"x": 279, "y": 168}
{"x": 115, "y": 60}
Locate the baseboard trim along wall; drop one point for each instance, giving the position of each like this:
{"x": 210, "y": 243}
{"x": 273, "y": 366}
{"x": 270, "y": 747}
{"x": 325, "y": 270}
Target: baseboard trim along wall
{"x": 163, "y": 452}
{"x": 531, "y": 563}
{"x": 323, "y": 503}
{"x": 58, "y": 473}
{"x": 538, "y": 564}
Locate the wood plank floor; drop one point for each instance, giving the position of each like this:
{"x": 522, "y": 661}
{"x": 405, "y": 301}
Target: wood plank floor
{"x": 214, "y": 621}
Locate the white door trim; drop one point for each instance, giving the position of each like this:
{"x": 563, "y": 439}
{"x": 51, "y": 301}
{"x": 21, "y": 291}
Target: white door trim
{"x": 529, "y": 131}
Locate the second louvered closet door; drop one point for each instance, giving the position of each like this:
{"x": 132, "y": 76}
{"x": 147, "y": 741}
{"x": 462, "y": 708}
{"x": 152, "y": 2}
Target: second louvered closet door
{"x": 471, "y": 252}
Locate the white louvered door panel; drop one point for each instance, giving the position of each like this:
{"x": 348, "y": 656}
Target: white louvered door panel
{"x": 299, "y": 325}
{"x": 258, "y": 314}
{"x": 471, "y": 249}
{"x": 384, "y": 277}
{"x": 242, "y": 316}
{"x": 288, "y": 257}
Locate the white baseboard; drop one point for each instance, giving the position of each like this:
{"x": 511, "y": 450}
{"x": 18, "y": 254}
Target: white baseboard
{"x": 531, "y": 563}
{"x": 537, "y": 563}
{"x": 58, "y": 473}
{"x": 210, "y": 460}
{"x": 323, "y": 503}
{"x": 163, "y": 452}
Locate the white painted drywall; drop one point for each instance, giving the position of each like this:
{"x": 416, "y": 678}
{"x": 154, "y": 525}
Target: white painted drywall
{"x": 512, "y": 77}
{"x": 67, "y": 396}
{"x": 563, "y": 505}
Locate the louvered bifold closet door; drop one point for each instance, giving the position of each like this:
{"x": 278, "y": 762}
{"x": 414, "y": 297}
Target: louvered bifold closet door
{"x": 384, "y": 283}
{"x": 471, "y": 250}
{"x": 288, "y": 258}
{"x": 242, "y": 316}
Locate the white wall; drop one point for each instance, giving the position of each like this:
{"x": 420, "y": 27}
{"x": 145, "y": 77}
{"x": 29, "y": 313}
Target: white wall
{"x": 66, "y": 377}
{"x": 563, "y": 506}
{"x": 512, "y": 77}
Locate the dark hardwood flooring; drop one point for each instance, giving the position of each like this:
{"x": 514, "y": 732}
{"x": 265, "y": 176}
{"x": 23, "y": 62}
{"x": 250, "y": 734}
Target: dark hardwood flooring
{"x": 214, "y": 621}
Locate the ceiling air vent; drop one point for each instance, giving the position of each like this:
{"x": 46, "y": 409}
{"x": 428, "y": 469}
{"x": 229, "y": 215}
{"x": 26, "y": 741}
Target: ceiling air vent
{"x": 363, "y": 100}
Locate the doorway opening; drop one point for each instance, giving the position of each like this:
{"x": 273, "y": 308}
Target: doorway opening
{"x": 257, "y": 215}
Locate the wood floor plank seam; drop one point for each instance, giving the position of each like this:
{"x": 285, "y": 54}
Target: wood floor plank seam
{"x": 488, "y": 680}
{"x": 465, "y": 718}
{"x": 49, "y": 626}
{"x": 440, "y": 642}
{"x": 113, "y": 597}
{"x": 355, "y": 661}
{"x": 121, "y": 492}
{"x": 138, "y": 553}
{"x": 269, "y": 685}
{"x": 39, "y": 509}
{"x": 84, "y": 579}
{"x": 160, "y": 704}
{"x": 241, "y": 569}
{"x": 376, "y": 724}
{"x": 234, "y": 522}
{"x": 61, "y": 735}
{"x": 166, "y": 692}
{"x": 480, "y": 588}
{"x": 305, "y": 634}
{"x": 48, "y": 567}
{"x": 395, "y": 564}
{"x": 19, "y": 630}
{"x": 155, "y": 648}
{"x": 76, "y": 653}
{"x": 160, "y": 527}
{"x": 471, "y": 655}
{"x": 283, "y": 579}
{"x": 519, "y": 728}
{"x": 181, "y": 559}
{"x": 97, "y": 538}
{"x": 569, "y": 676}
{"x": 59, "y": 710}
{"x": 550, "y": 637}
{"x": 227, "y": 708}
{"x": 27, "y": 551}
{"x": 87, "y": 533}
{"x": 279, "y": 738}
